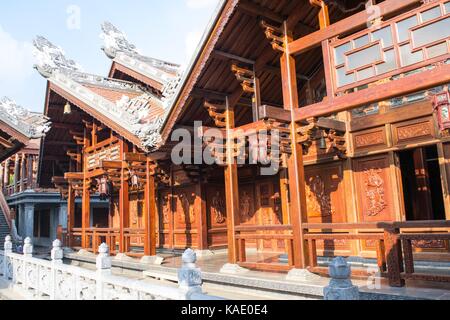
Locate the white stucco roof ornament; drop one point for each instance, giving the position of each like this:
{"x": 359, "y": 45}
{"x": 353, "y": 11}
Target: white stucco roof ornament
{"x": 118, "y": 48}
{"x": 50, "y": 58}
{"x": 32, "y": 125}
{"x": 115, "y": 41}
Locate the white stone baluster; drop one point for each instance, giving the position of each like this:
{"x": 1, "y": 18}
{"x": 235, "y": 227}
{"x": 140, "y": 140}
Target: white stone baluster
{"x": 189, "y": 276}
{"x": 8, "y": 246}
{"x": 57, "y": 256}
{"x": 28, "y": 248}
{"x": 104, "y": 265}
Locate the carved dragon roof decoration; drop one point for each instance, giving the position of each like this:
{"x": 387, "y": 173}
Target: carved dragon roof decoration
{"x": 131, "y": 114}
{"x": 32, "y": 125}
{"x": 117, "y": 47}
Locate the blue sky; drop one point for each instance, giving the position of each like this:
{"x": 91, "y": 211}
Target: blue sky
{"x": 169, "y": 30}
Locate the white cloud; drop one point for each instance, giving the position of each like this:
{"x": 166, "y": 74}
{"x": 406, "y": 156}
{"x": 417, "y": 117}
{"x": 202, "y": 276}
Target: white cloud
{"x": 191, "y": 42}
{"x": 16, "y": 62}
{"x": 200, "y": 4}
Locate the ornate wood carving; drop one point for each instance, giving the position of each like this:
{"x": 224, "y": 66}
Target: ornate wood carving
{"x": 218, "y": 208}
{"x": 325, "y": 193}
{"x": 414, "y": 131}
{"x": 374, "y": 189}
{"x": 364, "y": 140}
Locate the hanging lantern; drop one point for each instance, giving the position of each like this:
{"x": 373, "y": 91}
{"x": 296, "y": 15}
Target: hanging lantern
{"x": 67, "y": 108}
{"x": 442, "y": 108}
{"x": 103, "y": 188}
{"x": 323, "y": 142}
{"x": 134, "y": 181}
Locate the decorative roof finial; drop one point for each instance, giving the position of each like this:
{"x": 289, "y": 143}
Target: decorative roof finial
{"x": 115, "y": 41}
{"x": 50, "y": 58}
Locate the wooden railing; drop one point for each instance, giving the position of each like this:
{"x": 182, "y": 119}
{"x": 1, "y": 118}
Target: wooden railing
{"x": 394, "y": 240}
{"x": 244, "y": 234}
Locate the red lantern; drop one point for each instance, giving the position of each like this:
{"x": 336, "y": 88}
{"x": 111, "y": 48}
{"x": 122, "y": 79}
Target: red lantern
{"x": 442, "y": 109}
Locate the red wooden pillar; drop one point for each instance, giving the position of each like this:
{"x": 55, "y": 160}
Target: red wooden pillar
{"x": 70, "y": 215}
{"x": 86, "y": 213}
{"x": 231, "y": 186}
{"x": 124, "y": 203}
{"x": 150, "y": 213}
{"x": 296, "y": 171}
{"x": 202, "y": 223}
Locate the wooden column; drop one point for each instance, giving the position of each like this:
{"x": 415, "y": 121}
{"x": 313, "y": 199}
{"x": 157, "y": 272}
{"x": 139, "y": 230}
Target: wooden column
{"x": 6, "y": 173}
{"x": 231, "y": 186}
{"x": 23, "y": 172}
{"x": 16, "y": 172}
{"x": 124, "y": 202}
{"x": 298, "y": 211}
{"x": 86, "y": 212}
{"x": 202, "y": 223}
{"x": 70, "y": 215}
{"x": 30, "y": 182}
{"x": 150, "y": 213}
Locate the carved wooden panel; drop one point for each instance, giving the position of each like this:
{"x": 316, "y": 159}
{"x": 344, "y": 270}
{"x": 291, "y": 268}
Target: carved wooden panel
{"x": 413, "y": 131}
{"x": 165, "y": 218}
{"x": 325, "y": 193}
{"x": 374, "y": 189}
{"x": 185, "y": 208}
{"x": 370, "y": 139}
{"x": 136, "y": 219}
{"x": 216, "y": 216}
{"x": 247, "y": 204}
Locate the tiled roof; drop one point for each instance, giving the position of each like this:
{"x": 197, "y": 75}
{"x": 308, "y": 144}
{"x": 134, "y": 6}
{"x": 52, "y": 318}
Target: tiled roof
{"x": 126, "y": 104}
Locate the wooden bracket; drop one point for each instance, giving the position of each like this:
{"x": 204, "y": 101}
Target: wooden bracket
{"x": 275, "y": 35}
{"x": 246, "y": 77}
{"x": 217, "y": 113}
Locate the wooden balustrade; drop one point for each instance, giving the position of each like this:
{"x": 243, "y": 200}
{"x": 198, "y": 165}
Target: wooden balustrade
{"x": 245, "y": 234}
{"x": 395, "y": 254}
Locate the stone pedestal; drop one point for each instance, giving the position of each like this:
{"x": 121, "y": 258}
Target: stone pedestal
{"x": 302, "y": 275}
{"x": 233, "y": 269}
{"x": 340, "y": 287}
{"x": 155, "y": 260}
{"x": 123, "y": 258}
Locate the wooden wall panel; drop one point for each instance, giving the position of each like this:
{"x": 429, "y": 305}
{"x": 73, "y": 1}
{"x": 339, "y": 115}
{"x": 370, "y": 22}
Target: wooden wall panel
{"x": 325, "y": 193}
{"x": 165, "y": 218}
{"x": 413, "y": 131}
{"x": 374, "y": 189}
{"x": 369, "y": 139}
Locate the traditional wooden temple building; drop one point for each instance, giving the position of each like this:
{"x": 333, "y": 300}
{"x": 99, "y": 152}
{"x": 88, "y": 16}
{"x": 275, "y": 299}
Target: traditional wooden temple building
{"x": 356, "y": 100}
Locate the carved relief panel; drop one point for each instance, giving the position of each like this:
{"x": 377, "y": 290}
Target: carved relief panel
{"x": 413, "y": 131}
{"x": 247, "y": 204}
{"x": 216, "y": 216}
{"x": 374, "y": 189}
{"x": 185, "y": 211}
{"x": 165, "y": 218}
{"x": 325, "y": 193}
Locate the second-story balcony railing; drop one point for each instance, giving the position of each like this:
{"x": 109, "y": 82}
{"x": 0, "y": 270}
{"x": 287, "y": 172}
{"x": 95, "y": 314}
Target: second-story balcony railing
{"x": 407, "y": 43}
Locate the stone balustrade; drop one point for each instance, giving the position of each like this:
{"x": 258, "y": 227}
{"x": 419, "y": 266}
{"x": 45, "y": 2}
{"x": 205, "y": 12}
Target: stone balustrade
{"x": 42, "y": 279}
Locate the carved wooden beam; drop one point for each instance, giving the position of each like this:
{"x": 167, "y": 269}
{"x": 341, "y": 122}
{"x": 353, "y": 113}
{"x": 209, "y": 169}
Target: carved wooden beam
{"x": 6, "y": 143}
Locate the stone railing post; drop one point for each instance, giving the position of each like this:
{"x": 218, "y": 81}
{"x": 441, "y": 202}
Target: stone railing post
{"x": 57, "y": 255}
{"x": 28, "y": 248}
{"x": 341, "y": 286}
{"x": 8, "y": 248}
{"x": 104, "y": 265}
{"x": 189, "y": 276}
